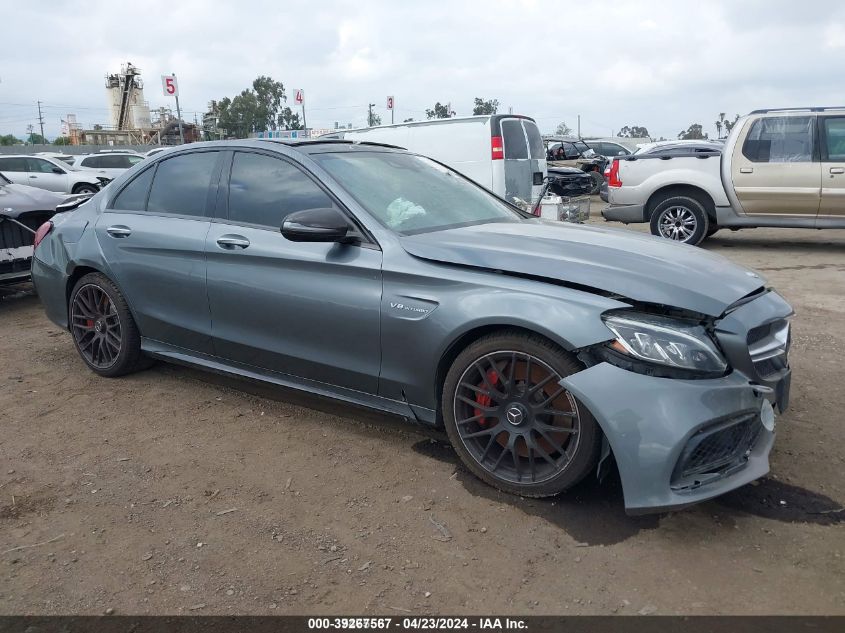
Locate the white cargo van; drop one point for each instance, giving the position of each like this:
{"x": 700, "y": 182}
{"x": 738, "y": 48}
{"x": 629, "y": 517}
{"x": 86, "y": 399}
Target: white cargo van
{"x": 502, "y": 152}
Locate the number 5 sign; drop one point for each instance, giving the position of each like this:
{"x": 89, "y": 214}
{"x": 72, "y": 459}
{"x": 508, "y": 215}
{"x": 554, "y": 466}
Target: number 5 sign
{"x": 169, "y": 85}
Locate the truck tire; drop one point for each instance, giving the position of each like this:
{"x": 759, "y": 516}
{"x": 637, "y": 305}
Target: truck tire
{"x": 681, "y": 219}
{"x": 598, "y": 181}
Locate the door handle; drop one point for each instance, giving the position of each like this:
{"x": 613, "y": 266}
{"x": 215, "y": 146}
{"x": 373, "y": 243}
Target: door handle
{"x": 230, "y": 242}
{"x": 119, "y": 231}
{"x": 746, "y": 170}
{"x": 837, "y": 170}
{"x": 33, "y": 176}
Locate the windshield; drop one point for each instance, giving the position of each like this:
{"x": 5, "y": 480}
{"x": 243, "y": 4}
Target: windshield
{"x": 413, "y": 194}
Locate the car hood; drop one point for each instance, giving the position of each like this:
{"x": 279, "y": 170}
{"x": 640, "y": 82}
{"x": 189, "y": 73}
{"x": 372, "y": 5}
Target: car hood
{"x": 20, "y": 199}
{"x": 639, "y": 267}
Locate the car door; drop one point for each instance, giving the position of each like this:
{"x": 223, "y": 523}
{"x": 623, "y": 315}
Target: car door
{"x": 517, "y": 163}
{"x": 46, "y": 175}
{"x": 304, "y": 309}
{"x": 15, "y": 169}
{"x": 152, "y": 235}
{"x": 832, "y": 130}
{"x": 775, "y": 168}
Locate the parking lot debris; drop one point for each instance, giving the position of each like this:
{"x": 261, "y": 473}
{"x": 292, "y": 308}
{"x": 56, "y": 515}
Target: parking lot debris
{"x": 147, "y": 556}
{"x": 446, "y": 535}
{"x": 288, "y": 483}
{"x": 365, "y": 566}
{"x": 406, "y": 498}
{"x": 222, "y": 512}
{"x": 21, "y": 547}
{"x": 196, "y": 607}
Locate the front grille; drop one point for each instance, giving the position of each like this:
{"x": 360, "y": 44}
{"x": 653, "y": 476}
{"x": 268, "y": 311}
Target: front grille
{"x": 768, "y": 346}
{"x": 719, "y": 449}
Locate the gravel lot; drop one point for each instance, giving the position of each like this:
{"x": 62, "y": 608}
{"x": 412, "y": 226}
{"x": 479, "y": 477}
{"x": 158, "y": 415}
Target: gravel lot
{"x": 175, "y": 491}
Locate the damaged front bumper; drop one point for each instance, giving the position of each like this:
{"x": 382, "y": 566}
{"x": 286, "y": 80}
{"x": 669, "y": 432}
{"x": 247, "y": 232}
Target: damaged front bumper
{"x": 654, "y": 426}
{"x": 676, "y": 441}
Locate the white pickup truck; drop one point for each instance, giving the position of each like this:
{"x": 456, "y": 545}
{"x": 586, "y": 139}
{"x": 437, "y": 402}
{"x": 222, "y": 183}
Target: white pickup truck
{"x": 783, "y": 168}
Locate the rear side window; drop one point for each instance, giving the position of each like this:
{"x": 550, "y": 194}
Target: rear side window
{"x": 115, "y": 161}
{"x": 535, "y": 141}
{"x": 264, "y": 190}
{"x": 780, "y": 140}
{"x": 13, "y": 164}
{"x": 834, "y": 131}
{"x": 134, "y": 195}
{"x": 514, "y": 138}
{"x": 181, "y": 184}
{"x": 91, "y": 161}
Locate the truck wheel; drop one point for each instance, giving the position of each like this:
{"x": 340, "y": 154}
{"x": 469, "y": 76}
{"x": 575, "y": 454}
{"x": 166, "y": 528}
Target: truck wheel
{"x": 680, "y": 218}
{"x": 598, "y": 181}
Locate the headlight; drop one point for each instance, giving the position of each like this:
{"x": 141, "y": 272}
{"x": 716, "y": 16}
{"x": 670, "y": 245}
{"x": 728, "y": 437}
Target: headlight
{"x": 665, "y": 341}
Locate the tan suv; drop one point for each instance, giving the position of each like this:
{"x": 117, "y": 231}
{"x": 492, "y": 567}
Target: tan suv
{"x": 778, "y": 168}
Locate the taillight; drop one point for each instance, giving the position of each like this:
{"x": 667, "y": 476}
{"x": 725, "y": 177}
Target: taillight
{"x": 42, "y": 232}
{"x": 613, "y": 179}
{"x": 497, "y": 148}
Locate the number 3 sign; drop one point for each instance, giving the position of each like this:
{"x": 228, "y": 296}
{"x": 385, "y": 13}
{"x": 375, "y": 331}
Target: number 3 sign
{"x": 169, "y": 85}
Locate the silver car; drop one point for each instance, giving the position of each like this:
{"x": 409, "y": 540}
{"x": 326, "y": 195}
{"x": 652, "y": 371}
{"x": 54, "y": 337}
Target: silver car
{"x": 382, "y": 278}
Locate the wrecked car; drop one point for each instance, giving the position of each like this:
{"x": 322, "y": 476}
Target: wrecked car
{"x": 22, "y": 210}
{"x": 384, "y": 279}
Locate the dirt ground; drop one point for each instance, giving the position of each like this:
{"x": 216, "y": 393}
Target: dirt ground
{"x": 175, "y": 491}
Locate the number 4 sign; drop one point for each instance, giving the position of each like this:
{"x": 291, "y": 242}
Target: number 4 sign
{"x": 299, "y": 96}
{"x": 169, "y": 85}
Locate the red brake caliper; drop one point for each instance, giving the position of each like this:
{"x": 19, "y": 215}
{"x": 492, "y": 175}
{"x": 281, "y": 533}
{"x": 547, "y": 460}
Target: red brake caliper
{"x": 483, "y": 399}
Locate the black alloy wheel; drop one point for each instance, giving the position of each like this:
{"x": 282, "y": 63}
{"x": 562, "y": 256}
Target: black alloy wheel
{"x": 513, "y": 424}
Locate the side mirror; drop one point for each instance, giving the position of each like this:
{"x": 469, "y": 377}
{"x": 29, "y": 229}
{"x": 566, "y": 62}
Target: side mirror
{"x": 57, "y": 170}
{"x": 316, "y": 225}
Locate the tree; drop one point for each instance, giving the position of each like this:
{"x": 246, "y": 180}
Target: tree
{"x": 485, "y": 107}
{"x": 634, "y": 131}
{"x": 441, "y": 111}
{"x": 62, "y": 140}
{"x": 36, "y": 139}
{"x": 694, "y": 131}
{"x": 257, "y": 109}
{"x": 373, "y": 119}
{"x": 563, "y": 129}
{"x": 720, "y": 123}
{"x": 10, "y": 139}
{"x": 729, "y": 125}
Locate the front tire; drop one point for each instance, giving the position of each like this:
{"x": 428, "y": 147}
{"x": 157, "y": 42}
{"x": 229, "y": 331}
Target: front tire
{"x": 680, "y": 219}
{"x": 509, "y": 420}
{"x": 85, "y": 189}
{"x": 103, "y": 330}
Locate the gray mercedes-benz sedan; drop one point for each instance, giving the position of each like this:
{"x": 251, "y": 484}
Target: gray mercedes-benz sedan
{"x": 382, "y": 278}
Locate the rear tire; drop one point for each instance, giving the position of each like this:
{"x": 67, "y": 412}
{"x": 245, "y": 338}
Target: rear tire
{"x": 680, "y": 219}
{"x": 598, "y": 181}
{"x": 104, "y": 332}
{"x": 529, "y": 436}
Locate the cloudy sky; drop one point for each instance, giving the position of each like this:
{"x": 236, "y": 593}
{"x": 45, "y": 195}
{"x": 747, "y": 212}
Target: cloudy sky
{"x": 663, "y": 65}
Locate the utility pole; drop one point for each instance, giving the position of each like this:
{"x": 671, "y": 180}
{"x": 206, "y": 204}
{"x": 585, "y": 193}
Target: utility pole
{"x": 304, "y": 124}
{"x": 579, "y": 126}
{"x": 41, "y": 121}
{"x": 370, "y": 115}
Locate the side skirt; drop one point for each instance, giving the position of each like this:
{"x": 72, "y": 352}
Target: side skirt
{"x": 182, "y": 356}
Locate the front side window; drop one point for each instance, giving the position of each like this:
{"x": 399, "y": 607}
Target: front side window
{"x": 181, "y": 184}
{"x": 40, "y": 166}
{"x": 134, "y": 160}
{"x": 784, "y": 139}
{"x": 264, "y": 190}
{"x": 514, "y": 138}
{"x": 413, "y": 194}
{"x": 834, "y": 132}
